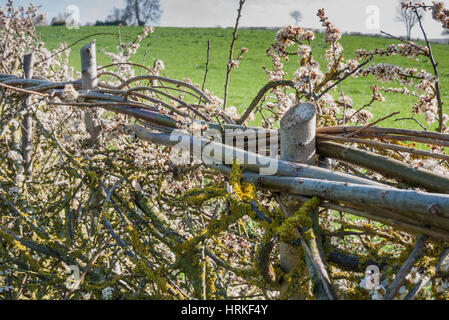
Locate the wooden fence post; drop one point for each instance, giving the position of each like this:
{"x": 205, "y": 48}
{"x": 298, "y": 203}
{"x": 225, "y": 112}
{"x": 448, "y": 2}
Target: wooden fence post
{"x": 93, "y": 126}
{"x": 298, "y": 144}
{"x": 89, "y": 82}
{"x": 27, "y": 121}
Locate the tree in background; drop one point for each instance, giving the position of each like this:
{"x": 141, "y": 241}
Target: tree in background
{"x": 297, "y": 16}
{"x": 408, "y": 18}
{"x": 142, "y": 12}
{"x": 115, "y": 18}
{"x": 59, "y": 20}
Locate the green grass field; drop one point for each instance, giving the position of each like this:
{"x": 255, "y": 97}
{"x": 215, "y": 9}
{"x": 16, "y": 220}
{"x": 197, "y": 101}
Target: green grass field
{"x": 183, "y": 51}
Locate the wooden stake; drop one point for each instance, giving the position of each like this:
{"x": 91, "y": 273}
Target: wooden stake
{"x": 93, "y": 126}
{"x": 89, "y": 82}
{"x": 27, "y": 122}
{"x": 297, "y": 133}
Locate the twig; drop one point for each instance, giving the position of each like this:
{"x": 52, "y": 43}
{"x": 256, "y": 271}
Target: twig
{"x": 74, "y": 43}
{"x": 360, "y": 109}
{"x": 263, "y": 262}
{"x": 207, "y": 69}
{"x": 345, "y": 77}
{"x": 231, "y": 52}
{"x": 435, "y": 71}
{"x": 422, "y": 283}
{"x": 165, "y": 79}
{"x": 23, "y": 90}
{"x": 412, "y": 118}
{"x": 372, "y": 124}
{"x": 405, "y": 41}
{"x": 406, "y": 267}
{"x": 412, "y": 293}
{"x": 86, "y": 271}
{"x": 342, "y": 94}
{"x": 270, "y": 85}
{"x": 126, "y": 63}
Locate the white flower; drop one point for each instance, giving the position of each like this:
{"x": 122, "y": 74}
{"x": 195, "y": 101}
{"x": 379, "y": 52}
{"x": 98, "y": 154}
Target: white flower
{"x": 306, "y": 77}
{"x": 233, "y": 64}
{"x": 251, "y": 117}
{"x": 147, "y": 30}
{"x": 304, "y": 50}
{"x": 159, "y": 65}
{"x": 352, "y": 65}
{"x": 369, "y": 282}
{"x": 86, "y": 296}
{"x": 136, "y": 186}
{"x": 14, "y": 155}
{"x": 414, "y": 276}
{"x": 232, "y": 113}
{"x": 196, "y": 128}
{"x": 346, "y": 101}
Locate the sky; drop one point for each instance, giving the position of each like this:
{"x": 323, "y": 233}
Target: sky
{"x": 366, "y": 16}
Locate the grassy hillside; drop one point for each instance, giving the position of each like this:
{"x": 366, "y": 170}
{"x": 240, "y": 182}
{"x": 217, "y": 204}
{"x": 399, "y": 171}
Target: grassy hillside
{"x": 184, "y": 53}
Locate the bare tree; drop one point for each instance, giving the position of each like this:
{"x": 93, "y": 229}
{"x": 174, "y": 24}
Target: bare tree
{"x": 115, "y": 15}
{"x": 296, "y": 15}
{"x": 408, "y": 18}
{"x": 142, "y": 12}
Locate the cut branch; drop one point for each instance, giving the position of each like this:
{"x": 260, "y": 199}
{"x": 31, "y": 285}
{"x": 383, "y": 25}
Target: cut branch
{"x": 386, "y": 146}
{"x": 417, "y": 177}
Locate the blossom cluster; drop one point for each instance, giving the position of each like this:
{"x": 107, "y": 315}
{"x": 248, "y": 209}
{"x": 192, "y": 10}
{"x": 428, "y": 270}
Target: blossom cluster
{"x": 288, "y": 36}
{"x": 427, "y": 103}
{"x": 309, "y": 80}
{"x": 441, "y": 14}
{"x": 332, "y": 34}
{"x": 277, "y": 73}
{"x": 403, "y": 49}
{"x": 126, "y": 50}
{"x": 306, "y": 78}
{"x": 234, "y": 63}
